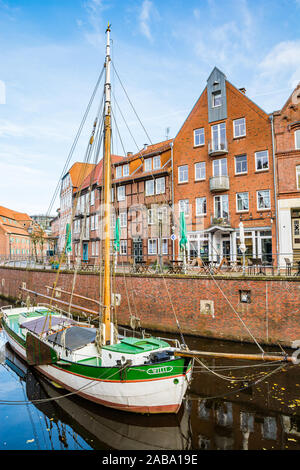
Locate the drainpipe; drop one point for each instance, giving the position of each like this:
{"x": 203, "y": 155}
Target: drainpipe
{"x": 172, "y": 195}
{"x": 275, "y": 193}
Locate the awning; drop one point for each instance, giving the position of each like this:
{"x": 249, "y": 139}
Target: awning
{"x": 43, "y": 324}
{"x": 74, "y": 337}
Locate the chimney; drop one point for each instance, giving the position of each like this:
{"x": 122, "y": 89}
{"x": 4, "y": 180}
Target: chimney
{"x": 129, "y": 154}
{"x": 145, "y": 146}
{"x": 243, "y": 90}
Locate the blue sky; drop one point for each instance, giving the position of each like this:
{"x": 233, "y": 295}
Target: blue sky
{"x": 53, "y": 50}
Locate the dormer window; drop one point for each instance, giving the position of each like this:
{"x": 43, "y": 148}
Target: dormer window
{"x": 156, "y": 162}
{"x": 152, "y": 163}
{"x": 122, "y": 170}
{"x": 118, "y": 172}
{"x": 216, "y": 99}
{"x": 125, "y": 170}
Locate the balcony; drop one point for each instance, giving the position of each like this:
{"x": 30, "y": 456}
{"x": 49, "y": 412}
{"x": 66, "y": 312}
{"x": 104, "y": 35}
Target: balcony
{"x": 219, "y": 184}
{"x": 217, "y": 148}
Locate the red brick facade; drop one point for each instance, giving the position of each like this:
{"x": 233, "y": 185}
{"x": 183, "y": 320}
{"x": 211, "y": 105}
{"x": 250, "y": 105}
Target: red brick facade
{"x": 286, "y": 124}
{"x": 219, "y": 234}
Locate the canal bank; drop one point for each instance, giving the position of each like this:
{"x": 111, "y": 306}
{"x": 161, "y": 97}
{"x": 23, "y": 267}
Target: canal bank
{"x": 237, "y": 308}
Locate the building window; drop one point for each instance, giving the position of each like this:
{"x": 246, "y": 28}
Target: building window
{"x": 242, "y": 202}
{"x": 164, "y": 246}
{"x": 183, "y": 174}
{"x": 151, "y": 216}
{"x": 184, "y": 206}
{"x": 298, "y": 176}
{"x": 216, "y": 99}
{"x": 221, "y": 207}
{"x": 160, "y": 185}
{"x": 200, "y": 171}
{"x": 123, "y": 219}
{"x": 125, "y": 170}
{"x": 118, "y": 172}
{"x": 152, "y": 246}
{"x": 121, "y": 193}
{"x": 239, "y": 127}
{"x": 218, "y": 134}
{"x": 261, "y": 160}
{"x": 148, "y": 164}
{"x": 156, "y": 162}
{"x": 149, "y": 188}
{"x": 241, "y": 164}
{"x": 220, "y": 167}
{"x": 123, "y": 247}
{"x": 199, "y": 138}
{"x": 263, "y": 200}
{"x": 297, "y": 139}
{"x": 200, "y": 206}
{"x": 92, "y": 198}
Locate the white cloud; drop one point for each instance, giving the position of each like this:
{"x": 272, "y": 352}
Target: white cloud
{"x": 148, "y": 12}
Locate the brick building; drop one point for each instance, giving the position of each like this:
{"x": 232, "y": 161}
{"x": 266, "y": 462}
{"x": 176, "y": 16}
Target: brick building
{"x": 71, "y": 181}
{"x": 286, "y": 126}
{"x": 141, "y": 199}
{"x": 223, "y": 174}
{"x": 14, "y": 236}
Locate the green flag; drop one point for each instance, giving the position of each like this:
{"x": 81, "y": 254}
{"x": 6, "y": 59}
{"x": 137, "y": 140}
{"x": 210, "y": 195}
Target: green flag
{"x": 183, "y": 239}
{"x": 68, "y": 238}
{"x": 117, "y": 235}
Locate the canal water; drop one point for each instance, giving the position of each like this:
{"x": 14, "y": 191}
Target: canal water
{"x": 234, "y": 405}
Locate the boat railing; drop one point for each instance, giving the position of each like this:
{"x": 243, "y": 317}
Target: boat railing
{"x": 127, "y": 332}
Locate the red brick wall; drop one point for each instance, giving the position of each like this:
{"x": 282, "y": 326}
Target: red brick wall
{"x": 272, "y": 316}
{"x": 258, "y": 137}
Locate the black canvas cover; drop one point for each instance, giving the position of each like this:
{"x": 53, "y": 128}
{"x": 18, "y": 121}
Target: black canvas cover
{"x": 74, "y": 337}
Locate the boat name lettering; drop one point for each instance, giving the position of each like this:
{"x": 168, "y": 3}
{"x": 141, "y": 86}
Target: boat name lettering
{"x": 159, "y": 370}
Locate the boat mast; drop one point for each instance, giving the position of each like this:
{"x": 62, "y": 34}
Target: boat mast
{"x": 107, "y": 196}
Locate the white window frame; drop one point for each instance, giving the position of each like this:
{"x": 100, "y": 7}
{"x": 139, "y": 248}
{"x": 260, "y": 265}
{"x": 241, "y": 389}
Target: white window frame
{"x": 235, "y": 165}
{"x": 149, "y": 187}
{"x": 238, "y": 126}
{"x": 199, "y": 136}
{"x": 123, "y": 247}
{"x": 237, "y": 206}
{"x": 298, "y": 176}
{"x": 151, "y": 216}
{"x": 297, "y": 139}
{"x": 156, "y": 162}
{"x": 223, "y": 197}
{"x": 220, "y": 129}
{"x": 184, "y": 206}
{"x": 148, "y": 163}
{"x": 118, "y": 172}
{"x": 256, "y": 158}
{"x": 257, "y": 200}
{"x": 160, "y": 185}
{"x": 123, "y": 219}
{"x": 218, "y": 164}
{"x": 121, "y": 193}
{"x": 126, "y": 170}
{"x": 152, "y": 246}
{"x": 183, "y": 174}
{"x": 214, "y": 95}
{"x": 93, "y": 198}
{"x": 164, "y": 246}
{"x": 201, "y": 167}
{"x": 198, "y": 205}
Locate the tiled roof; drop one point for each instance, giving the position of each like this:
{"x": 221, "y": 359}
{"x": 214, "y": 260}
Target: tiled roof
{"x": 150, "y": 150}
{"x": 95, "y": 176}
{"x": 79, "y": 171}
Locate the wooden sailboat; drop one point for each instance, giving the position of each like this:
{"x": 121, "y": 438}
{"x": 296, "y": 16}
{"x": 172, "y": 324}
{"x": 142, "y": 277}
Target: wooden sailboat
{"x": 137, "y": 374}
